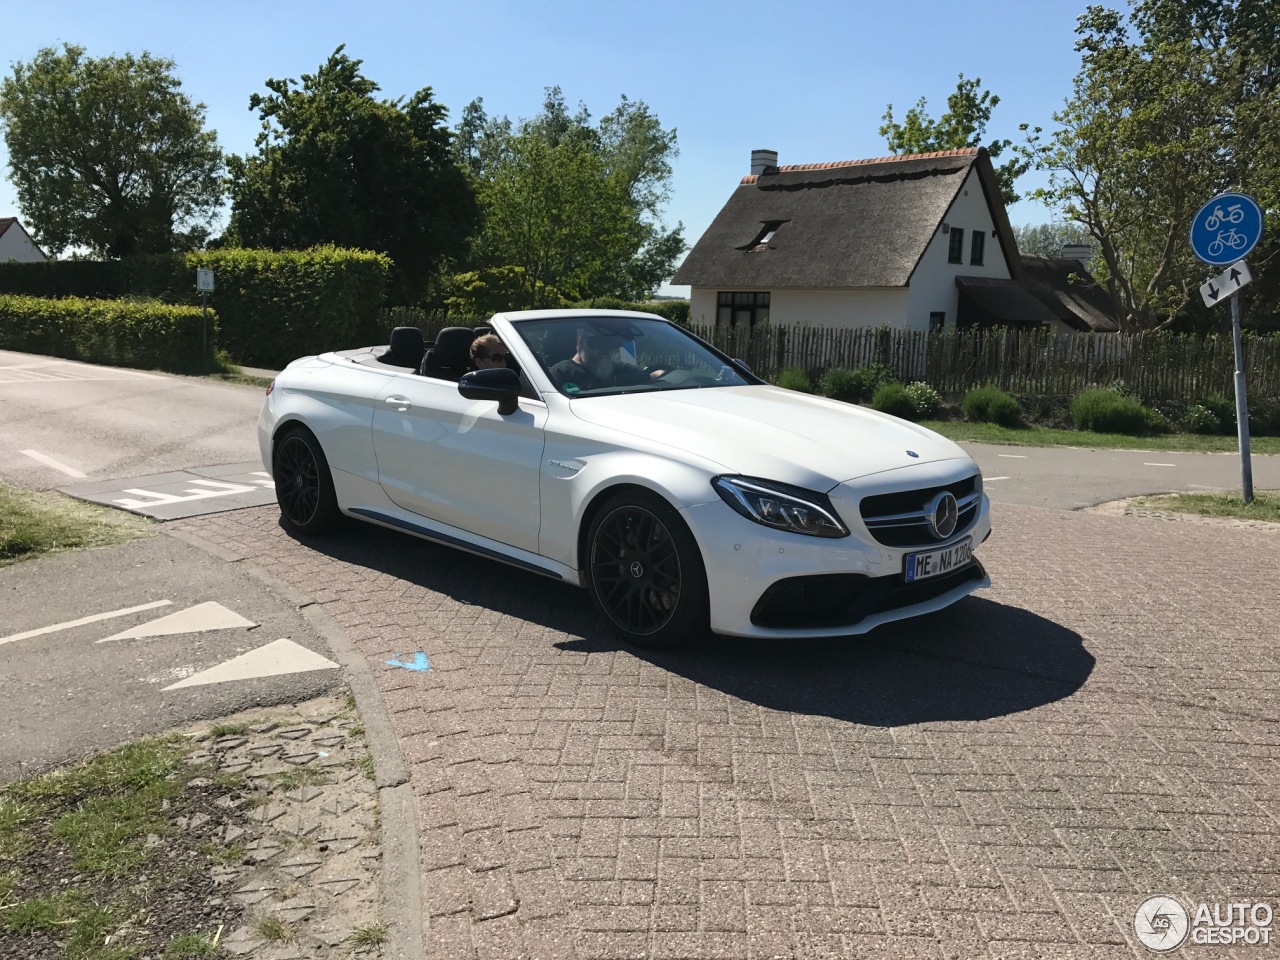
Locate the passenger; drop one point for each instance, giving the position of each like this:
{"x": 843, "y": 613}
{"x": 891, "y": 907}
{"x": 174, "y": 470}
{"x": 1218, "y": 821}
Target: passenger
{"x": 487, "y": 353}
{"x": 596, "y": 364}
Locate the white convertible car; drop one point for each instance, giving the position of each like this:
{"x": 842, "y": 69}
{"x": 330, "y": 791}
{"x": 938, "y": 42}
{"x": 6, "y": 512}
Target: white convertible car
{"x": 618, "y": 452}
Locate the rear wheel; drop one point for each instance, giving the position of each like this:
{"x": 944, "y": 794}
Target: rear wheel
{"x": 304, "y": 485}
{"x": 645, "y": 572}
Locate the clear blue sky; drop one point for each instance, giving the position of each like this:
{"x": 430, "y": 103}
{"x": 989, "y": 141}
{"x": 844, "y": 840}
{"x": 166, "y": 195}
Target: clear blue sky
{"x": 810, "y": 80}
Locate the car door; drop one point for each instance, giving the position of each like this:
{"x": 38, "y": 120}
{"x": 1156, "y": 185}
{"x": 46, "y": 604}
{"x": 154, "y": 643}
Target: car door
{"x": 459, "y": 461}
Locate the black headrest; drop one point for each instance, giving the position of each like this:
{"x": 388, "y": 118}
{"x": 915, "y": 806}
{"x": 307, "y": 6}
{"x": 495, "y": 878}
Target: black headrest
{"x": 453, "y": 347}
{"x": 482, "y": 329}
{"x": 406, "y": 347}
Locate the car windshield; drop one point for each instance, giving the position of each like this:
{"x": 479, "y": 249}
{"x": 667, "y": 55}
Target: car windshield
{"x": 594, "y": 356}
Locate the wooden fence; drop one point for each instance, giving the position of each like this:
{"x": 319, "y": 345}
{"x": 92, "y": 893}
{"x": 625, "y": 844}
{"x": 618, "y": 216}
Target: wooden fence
{"x": 1156, "y": 366}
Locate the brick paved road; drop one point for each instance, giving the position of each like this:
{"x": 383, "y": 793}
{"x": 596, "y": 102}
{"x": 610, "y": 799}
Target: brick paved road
{"x": 1009, "y": 778}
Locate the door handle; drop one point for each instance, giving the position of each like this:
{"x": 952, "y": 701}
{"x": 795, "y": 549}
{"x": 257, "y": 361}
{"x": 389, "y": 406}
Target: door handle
{"x": 400, "y": 403}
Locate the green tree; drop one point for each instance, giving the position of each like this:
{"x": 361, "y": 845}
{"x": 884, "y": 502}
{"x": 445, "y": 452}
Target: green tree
{"x": 1048, "y": 239}
{"x": 575, "y": 207}
{"x": 108, "y": 154}
{"x": 963, "y": 125}
{"x": 1172, "y": 105}
{"x": 337, "y": 165}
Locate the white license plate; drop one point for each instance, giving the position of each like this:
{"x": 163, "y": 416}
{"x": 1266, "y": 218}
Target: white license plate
{"x": 934, "y": 563}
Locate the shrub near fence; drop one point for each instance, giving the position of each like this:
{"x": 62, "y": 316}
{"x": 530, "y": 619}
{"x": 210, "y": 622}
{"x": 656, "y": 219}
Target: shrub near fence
{"x": 1157, "y": 366}
{"x": 129, "y": 333}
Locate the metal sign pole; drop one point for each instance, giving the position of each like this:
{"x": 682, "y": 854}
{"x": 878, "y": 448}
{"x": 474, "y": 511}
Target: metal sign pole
{"x": 1242, "y": 404}
{"x": 204, "y": 328}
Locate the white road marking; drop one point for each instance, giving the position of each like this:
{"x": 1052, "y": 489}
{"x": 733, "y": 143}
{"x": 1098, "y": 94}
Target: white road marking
{"x": 63, "y": 370}
{"x": 1012, "y": 456}
{"x": 83, "y": 620}
{"x": 1159, "y": 464}
{"x": 203, "y": 616}
{"x": 50, "y": 462}
{"x": 278, "y": 657}
{"x": 989, "y": 479}
{"x": 155, "y": 499}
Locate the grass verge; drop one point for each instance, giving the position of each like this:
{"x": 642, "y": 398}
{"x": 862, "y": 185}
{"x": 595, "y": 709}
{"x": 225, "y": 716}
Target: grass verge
{"x": 1265, "y": 505}
{"x": 1048, "y": 437}
{"x": 32, "y": 524}
{"x": 104, "y": 861}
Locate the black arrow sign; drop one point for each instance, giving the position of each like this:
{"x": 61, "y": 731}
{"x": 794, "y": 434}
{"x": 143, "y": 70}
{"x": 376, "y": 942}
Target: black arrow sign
{"x": 1213, "y": 294}
{"x": 1235, "y": 276}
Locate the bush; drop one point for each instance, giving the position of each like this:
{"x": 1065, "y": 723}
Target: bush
{"x": 841, "y": 383}
{"x": 1223, "y": 409}
{"x": 1105, "y": 411}
{"x": 793, "y": 378}
{"x": 1200, "y": 419}
{"x": 273, "y": 306}
{"x": 926, "y": 400}
{"x": 1157, "y": 422}
{"x": 129, "y": 333}
{"x": 990, "y": 404}
{"x": 872, "y": 377}
{"x": 893, "y": 399}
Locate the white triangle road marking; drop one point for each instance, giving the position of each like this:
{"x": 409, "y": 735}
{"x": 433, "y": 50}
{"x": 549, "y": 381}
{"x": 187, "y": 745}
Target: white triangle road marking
{"x": 210, "y": 615}
{"x": 275, "y": 659}
{"x": 82, "y": 621}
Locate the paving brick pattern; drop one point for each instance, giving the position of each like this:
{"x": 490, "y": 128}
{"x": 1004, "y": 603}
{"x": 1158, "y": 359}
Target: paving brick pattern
{"x": 1007, "y": 778}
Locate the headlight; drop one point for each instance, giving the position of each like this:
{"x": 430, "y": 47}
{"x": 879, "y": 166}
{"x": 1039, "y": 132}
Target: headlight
{"x": 781, "y": 506}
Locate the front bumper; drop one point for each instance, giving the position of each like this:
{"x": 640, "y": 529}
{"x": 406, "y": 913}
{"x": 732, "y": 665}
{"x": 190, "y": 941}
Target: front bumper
{"x": 770, "y": 583}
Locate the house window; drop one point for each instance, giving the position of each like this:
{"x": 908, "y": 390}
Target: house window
{"x": 748, "y": 309}
{"x": 763, "y": 236}
{"x": 955, "y": 254}
{"x": 977, "y": 244}
{"x": 937, "y": 321}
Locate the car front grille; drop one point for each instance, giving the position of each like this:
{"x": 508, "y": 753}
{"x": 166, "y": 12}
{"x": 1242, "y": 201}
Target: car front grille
{"x": 845, "y": 599}
{"x": 900, "y": 519}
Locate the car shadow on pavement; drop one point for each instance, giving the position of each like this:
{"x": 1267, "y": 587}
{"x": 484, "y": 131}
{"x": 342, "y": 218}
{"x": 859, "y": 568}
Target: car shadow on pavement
{"x": 975, "y": 660}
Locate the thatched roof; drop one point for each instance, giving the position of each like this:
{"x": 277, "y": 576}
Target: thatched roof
{"x": 1081, "y": 303}
{"x": 861, "y": 223}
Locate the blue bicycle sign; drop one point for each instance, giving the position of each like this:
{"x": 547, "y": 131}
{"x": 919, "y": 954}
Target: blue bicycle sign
{"x": 1226, "y": 228}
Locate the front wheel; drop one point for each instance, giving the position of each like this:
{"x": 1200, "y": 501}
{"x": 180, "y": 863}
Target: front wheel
{"x": 645, "y": 572}
{"x": 304, "y": 486}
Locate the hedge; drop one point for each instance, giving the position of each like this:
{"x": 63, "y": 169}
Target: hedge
{"x": 274, "y": 306}
{"x": 128, "y": 333}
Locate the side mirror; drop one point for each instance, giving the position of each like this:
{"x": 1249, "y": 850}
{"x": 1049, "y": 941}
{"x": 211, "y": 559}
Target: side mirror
{"x": 743, "y": 364}
{"x": 502, "y": 385}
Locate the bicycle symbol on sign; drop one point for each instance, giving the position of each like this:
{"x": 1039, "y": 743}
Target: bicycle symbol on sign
{"x": 1227, "y": 240}
{"x": 1234, "y": 214}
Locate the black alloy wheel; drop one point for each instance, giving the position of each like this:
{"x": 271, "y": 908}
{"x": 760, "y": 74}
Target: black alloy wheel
{"x": 645, "y": 571}
{"x": 304, "y": 486}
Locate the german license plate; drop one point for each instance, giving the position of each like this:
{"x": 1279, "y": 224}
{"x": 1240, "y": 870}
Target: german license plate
{"x": 934, "y": 563}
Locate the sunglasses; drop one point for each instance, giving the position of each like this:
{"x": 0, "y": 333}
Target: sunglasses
{"x": 504, "y": 357}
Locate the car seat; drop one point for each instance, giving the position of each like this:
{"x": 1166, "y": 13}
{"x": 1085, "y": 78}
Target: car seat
{"x": 450, "y": 356}
{"x": 405, "y": 349}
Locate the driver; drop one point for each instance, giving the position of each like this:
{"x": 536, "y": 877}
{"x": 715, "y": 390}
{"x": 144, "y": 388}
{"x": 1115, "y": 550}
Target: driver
{"x": 596, "y": 364}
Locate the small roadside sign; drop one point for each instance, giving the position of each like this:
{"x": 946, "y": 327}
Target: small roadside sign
{"x": 1225, "y": 284}
{"x": 1226, "y": 228}
{"x": 204, "y": 280}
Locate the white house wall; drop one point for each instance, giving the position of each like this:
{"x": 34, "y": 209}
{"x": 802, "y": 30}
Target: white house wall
{"x": 933, "y": 284}
{"x": 15, "y": 245}
{"x": 824, "y": 307}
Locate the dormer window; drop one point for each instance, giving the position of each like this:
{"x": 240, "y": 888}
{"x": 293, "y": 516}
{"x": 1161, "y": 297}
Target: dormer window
{"x": 761, "y": 242}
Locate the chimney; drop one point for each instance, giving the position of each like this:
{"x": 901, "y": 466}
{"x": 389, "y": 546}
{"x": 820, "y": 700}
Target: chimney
{"x": 1082, "y": 253}
{"x": 761, "y": 160}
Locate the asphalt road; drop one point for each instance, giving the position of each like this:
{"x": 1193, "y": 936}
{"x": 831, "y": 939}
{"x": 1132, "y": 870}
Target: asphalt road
{"x": 63, "y": 423}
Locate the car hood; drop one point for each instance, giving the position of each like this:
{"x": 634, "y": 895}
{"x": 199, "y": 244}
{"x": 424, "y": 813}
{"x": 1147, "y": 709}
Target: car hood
{"x": 769, "y": 432}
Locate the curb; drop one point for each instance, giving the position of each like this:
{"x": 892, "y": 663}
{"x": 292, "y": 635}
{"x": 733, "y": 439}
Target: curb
{"x": 401, "y": 876}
